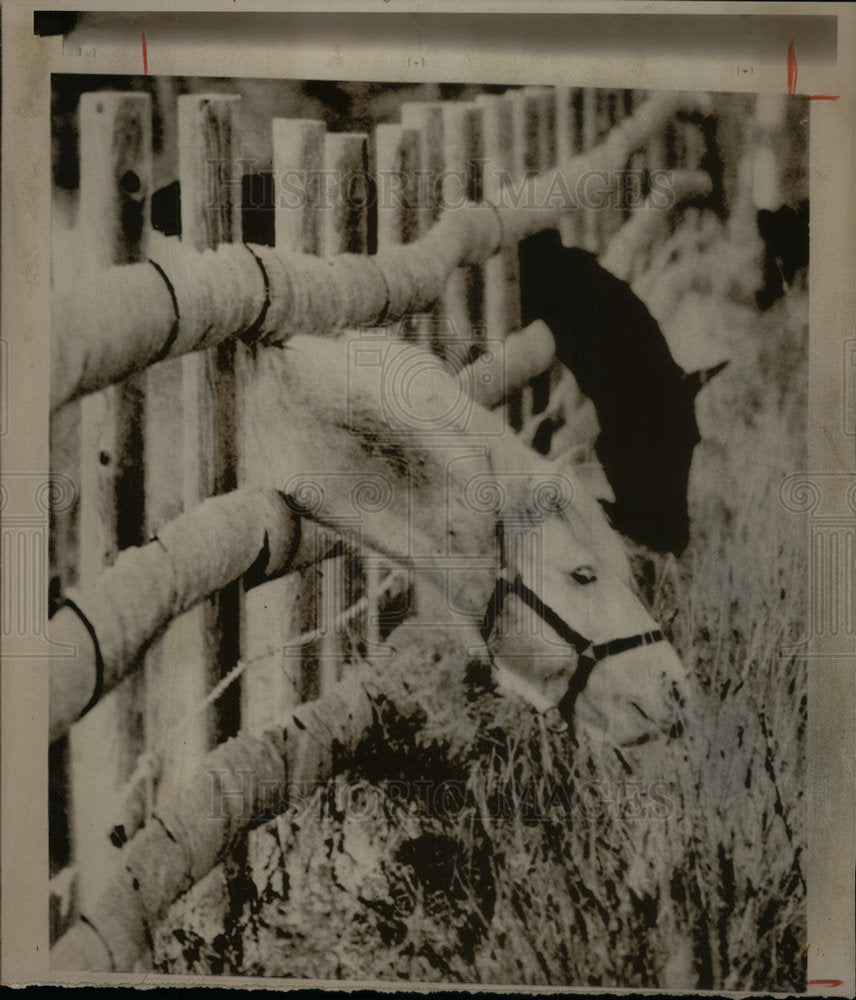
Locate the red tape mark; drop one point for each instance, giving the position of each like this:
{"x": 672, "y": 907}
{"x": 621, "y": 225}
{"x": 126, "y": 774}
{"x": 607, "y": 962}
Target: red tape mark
{"x": 792, "y": 89}
{"x": 792, "y": 69}
{"x": 824, "y": 982}
{"x": 145, "y": 60}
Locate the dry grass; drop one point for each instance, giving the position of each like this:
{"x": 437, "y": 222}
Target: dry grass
{"x": 677, "y": 864}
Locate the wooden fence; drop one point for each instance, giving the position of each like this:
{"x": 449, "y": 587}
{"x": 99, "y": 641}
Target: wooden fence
{"x": 159, "y": 434}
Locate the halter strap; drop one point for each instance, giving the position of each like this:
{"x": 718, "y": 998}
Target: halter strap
{"x": 589, "y": 654}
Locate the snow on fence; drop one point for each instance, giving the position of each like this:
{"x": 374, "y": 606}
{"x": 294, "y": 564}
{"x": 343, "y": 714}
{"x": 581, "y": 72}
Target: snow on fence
{"x": 172, "y": 560}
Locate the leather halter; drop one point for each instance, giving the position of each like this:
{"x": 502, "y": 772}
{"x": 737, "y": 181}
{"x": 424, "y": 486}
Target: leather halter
{"x": 589, "y": 654}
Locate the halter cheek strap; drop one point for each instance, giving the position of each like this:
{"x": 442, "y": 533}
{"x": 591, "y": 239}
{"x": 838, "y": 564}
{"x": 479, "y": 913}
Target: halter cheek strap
{"x": 589, "y": 654}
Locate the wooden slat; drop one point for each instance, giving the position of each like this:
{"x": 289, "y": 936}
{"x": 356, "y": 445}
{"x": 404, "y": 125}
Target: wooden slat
{"x": 657, "y": 149}
{"x": 275, "y": 613}
{"x": 532, "y": 143}
{"x": 298, "y": 157}
{"x": 272, "y": 612}
{"x": 544, "y": 105}
{"x": 191, "y": 453}
{"x": 282, "y": 672}
{"x": 397, "y": 161}
{"x": 525, "y": 137}
{"x": 642, "y": 161}
{"x": 612, "y": 215}
{"x": 210, "y": 181}
{"x": 463, "y": 299}
{"x": 115, "y": 186}
{"x": 589, "y": 238}
{"x": 344, "y": 230}
{"x": 623, "y": 189}
{"x": 345, "y": 217}
{"x": 537, "y": 396}
{"x": 569, "y": 143}
{"x": 426, "y": 118}
{"x": 633, "y": 187}
{"x": 501, "y": 272}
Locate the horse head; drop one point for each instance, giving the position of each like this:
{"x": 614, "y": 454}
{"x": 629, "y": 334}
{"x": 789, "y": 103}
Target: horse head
{"x": 383, "y": 435}
{"x": 565, "y": 625}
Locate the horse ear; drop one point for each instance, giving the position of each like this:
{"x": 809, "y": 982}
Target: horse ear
{"x": 594, "y": 479}
{"x": 581, "y": 463}
{"x": 698, "y": 380}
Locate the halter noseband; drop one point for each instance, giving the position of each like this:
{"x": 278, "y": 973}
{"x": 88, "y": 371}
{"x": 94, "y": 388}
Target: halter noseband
{"x": 589, "y": 654}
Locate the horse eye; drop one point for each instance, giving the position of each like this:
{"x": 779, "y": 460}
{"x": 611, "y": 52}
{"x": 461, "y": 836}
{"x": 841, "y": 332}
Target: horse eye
{"x": 584, "y": 574}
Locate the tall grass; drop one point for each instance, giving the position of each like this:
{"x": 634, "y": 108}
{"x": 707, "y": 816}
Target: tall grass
{"x": 678, "y": 864}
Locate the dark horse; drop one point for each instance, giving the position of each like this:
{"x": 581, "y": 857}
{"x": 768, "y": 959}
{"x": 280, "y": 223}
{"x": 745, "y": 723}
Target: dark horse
{"x": 645, "y": 402}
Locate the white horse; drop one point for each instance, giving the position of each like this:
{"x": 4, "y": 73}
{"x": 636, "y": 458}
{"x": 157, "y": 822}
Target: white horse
{"x": 382, "y": 439}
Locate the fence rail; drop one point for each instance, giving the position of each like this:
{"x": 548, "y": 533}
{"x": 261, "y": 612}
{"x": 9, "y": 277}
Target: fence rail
{"x": 156, "y": 343}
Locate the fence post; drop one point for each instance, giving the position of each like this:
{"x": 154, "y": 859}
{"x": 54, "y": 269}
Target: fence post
{"x": 532, "y": 142}
{"x": 192, "y": 401}
{"x": 344, "y": 230}
{"x": 644, "y": 160}
{"x": 463, "y": 298}
{"x": 590, "y": 131}
{"x": 426, "y": 117}
{"x": 273, "y": 612}
{"x": 298, "y": 162}
{"x": 612, "y": 214}
{"x": 115, "y": 179}
{"x": 397, "y": 166}
{"x": 569, "y": 143}
{"x": 501, "y": 277}
{"x": 544, "y": 140}
{"x": 298, "y": 165}
{"x": 545, "y": 105}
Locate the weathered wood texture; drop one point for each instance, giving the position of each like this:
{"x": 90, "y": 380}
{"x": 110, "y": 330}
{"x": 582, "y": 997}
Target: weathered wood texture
{"x": 115, "y": 182}
{"x": 184, "y": 547}
{"x": 222, "y": 294}
{"x": 248, "y": 780}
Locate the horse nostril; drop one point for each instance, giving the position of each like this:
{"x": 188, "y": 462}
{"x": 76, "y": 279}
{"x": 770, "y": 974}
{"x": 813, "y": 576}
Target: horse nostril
{"x": 554, "y": 721}
{"x": 584, "y": 574}
{"x": 676, "y": 730}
